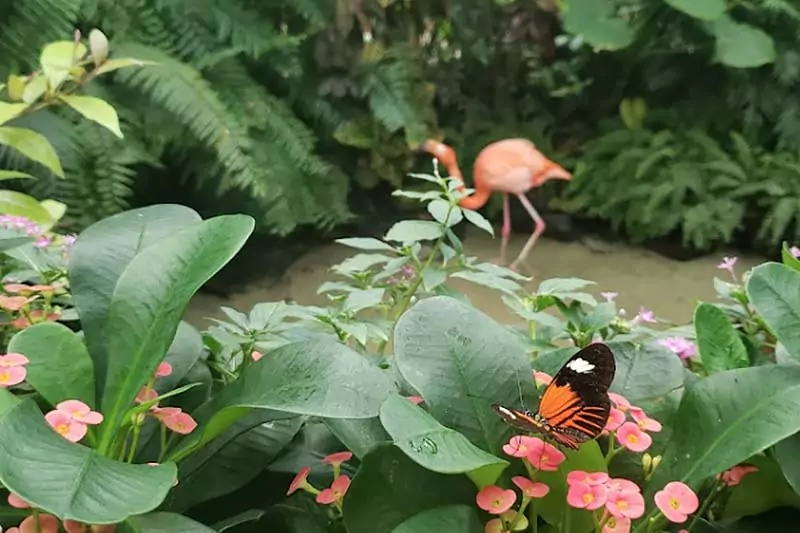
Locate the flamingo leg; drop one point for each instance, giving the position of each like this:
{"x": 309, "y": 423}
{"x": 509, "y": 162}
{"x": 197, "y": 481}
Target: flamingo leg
{"x": 505, "y": 232}
{"x": 539, "y": 228}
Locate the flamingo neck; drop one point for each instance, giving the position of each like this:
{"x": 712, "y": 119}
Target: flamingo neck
{"x": 477, "y": 200}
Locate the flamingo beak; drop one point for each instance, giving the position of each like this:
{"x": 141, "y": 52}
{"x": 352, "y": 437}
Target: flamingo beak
{"x": 554, "y": 171}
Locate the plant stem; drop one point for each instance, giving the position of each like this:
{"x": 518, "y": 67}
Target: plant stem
{"x": 706, "y": 504}
{"x": 135, "y": 441}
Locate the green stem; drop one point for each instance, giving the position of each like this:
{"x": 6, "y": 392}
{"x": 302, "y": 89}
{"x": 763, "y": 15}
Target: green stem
{"x": 715, "y": 491}
{"x": 163, "y": 441}
{"x": 135, "y": 441}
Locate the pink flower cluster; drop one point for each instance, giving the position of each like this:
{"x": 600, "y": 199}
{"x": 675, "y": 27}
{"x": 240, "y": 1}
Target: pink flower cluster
{"x": 630, "y": 434}
{"x": 172, "y": 417}
{"x": 47, "y": 523}
{"x": 12, "y": 369}
{"x": 683, "y": 348}
{"x": 71, "y": 419}
{"x": 622, "y": 498}
{"x": 333, "y": 495}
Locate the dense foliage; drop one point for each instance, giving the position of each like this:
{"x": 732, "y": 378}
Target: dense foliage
{"x": 680, "y": 118}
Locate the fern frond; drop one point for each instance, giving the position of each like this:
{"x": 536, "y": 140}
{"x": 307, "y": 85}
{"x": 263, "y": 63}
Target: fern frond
{"x": 30, "y": 24}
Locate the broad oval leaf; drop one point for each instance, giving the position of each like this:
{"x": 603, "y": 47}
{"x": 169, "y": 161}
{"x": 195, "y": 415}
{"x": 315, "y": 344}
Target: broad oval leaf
{"x": 741, "y": 45}
{"x": 444, "y": 213}
{"x": 774, "y": 292}
{"x": 94, "y": 109}
{"x": 72, "y": 481}
{"x": 410, "y": 231}
{"x": 148, "y": 301}
{"x": 700, "y": 9}
{"x": 596, "y": 22}
{"x": 718, "y": 342}
{"x": 60, "y": 367}
{"x": 57, "y": 59}
{"x": 448, "y": 518}
{"x": 161, "y": 522}
{"x": 436, "y": 447}
{"x": 726, "y": 418}
{"x": 461, "y": 361}
{"x": 20, "y": 204}
{"x": 32, "y": 145}
{"x": 389, "y": 488}
{"x": 362, "y": 243}
{"x": 645, "y": 371}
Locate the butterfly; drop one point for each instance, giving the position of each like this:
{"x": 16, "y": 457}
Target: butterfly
{"x": 575, "y": 406}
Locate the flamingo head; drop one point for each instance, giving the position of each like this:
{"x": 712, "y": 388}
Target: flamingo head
{"x": 551, "y": 171}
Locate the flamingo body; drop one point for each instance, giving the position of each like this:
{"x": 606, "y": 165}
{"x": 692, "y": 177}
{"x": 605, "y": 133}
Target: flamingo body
{"x": 509, "y": 166}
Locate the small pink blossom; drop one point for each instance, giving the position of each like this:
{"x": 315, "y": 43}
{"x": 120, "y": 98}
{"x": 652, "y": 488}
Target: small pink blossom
{"x": 256, "y": 355}
{"x": 519, "y": 446}
{"x": 146, "y": 395}
{"x": 336, "y": 459}
{"x": 617, "y": 525}
{"x": 644, "y": 421}
{"x": 14, "y": 303}
{"x": 795, "y": 251}
{"x": 734, "y": 476}
{"x": 585, "y": 496}
{"x": 544, "y": 456}
{"x": 13, "y": 375}
{"x": 625, "y": 504}
{"x": 180, "y": 422}
{"x": 645, "y": 315}
{"x": 631, "y": 436}
{"x": 542, "y": 378}
{"x": 47, "y": 523}
{"x": 416, "y": 400}
{"x": 10, "y": 360}
{"x": 495, "y": 500}
{"x": 727, "y": 264}
{"x": 609, "y": 296}
{"x": 529, "y": 488}
{"x": 17, "y": 502}
{"x": 683, "y": 348}
{"x": 622, "y": 486}
{"x": 66, "y": 426}
{"x": 620, "y": 401}
{"x": 164, "y": 369}
{"x": 300, "y": 481}
{"x": 336, "y": 492}
{"x": 80, "y": 411}
{"x": 590, "y": 478}
{"x": 615, "y": 419}
{"x": 676, "y": 501}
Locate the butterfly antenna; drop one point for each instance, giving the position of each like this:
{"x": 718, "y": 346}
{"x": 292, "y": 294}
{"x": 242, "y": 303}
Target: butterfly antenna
{"x": 519, "y": 389}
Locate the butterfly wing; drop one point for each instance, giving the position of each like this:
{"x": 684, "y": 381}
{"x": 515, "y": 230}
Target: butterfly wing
{"x": 523, "y": 420}
{"x": 575, "y": 406}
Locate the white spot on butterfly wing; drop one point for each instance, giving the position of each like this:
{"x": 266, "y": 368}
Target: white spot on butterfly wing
{"x": 506, "y": 412}
{"x": 581, "y": 366}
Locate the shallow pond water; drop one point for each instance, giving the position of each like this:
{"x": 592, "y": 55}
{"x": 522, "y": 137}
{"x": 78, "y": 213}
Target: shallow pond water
{"x": 669, "y": 288}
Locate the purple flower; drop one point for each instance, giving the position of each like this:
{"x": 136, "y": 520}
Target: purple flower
{"x": 727, "y": 264}
{"x": 795, "y": 251}
{"x": 645, "y": 315}
{"x": 683, "y": 348}
{"x": 609, "y": 296}
{"x": 43, "y": 241}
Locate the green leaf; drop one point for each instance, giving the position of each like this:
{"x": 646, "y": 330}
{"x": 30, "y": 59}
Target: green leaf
{"x": 726, "y": 418}
{"x": 115, "y": 64}
{"x": 788, "y": 257}
{"x": 32, "y": 145}
{"x": 741, "y": 45}
{"x": 562, "y": 286}
{"x": 554, "y": 506}
{"x": 149, "y": 299}
{"x": 359, "y": 435}
{"x": 448, "y": 518}
{"x": 461, "y": 361}
{"x": 95, "y": 109}
{"x": 444, "y": 213}
{"x": 410, "y": 231}
{"x": 700, "y": 9}
{"x": 436, "y": 447}
{"x": 365, "y": 244}
{"x": 10, "y": 240}
{"x": 719, "y": 344}
{"x": 164, "y": 523}
{"x": 72, "y": 481}
{"x": 363, "y": 299}
{"x": 55, "y": 208}
{"x": 760, "y": 491}
{"x": 389, "y": 488}
{"x": 14, "y": 174}
{"x": 19, "y": 204}
{"x": 60, "y": 367}
{"x": 488, "y": 280}
{"x": 432, "y": 277}
{"x": 319, "y": 377}
{"x": 645, "y": 370}
{"x": 787, "y": 453}
{"x": 478, "y": 220}
{"x": 183, "y": 353}
{"x": 774, "y": 292}
{"x": 58, "y": 58}
{"x": 10, "y": 111}
{"x": 596, "y": 22}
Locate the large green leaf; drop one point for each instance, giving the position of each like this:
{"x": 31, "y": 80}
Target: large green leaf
{"x": 728, "y": 417}
{"x": 774, "y": 292}
{"x": 436, "y": 447}
{"x": 72, "y": 481}
{"x": 163, "y": 523}
{"x": 149, "y": 299}
{"x": 449, "y": 518}
{"x": 461, "y": 361}
{"x": 719, "y": 344}
{"x": 101, "y": 254}
{"x": 645, "y": 371}
{"x": 21, "y": 205}
{"x": 390, "y": 488}
{"x": 741, "y": 45}
{"x": 60, "y": 367}
{"x": 553, "y": 507}
{"x": 597, "y": 23}
{"x": 359, "y": 435}
{"x": 760, "y": 491}
{"x": 183, "y": 353}
{"x": 700, "y": 9}
{"x": 32, "y": 145}
{"x": 318, "y": 377}
{"x": 787, "y": 453}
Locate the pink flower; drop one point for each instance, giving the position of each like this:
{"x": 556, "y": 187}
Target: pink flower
{"x": 644, "y": 315}
{"x": 585, "y": 496}
{"x": 544, "y": 456}
{"x": 13, "y": 303}
{"x": 337, "y": 459}
{"x": 10, "y": 360}
{"x": 80, "y": 411}
{"x": 625, "y": 504}
{"x": 615, "y": 419}
{"x": 300, "y": 481}
{"x": 617, "y": 525}
{"x": 542, "y": 378}
{"x": 17, "y": 502}
{"x": 47, "y": 523}
{"x": 495, "y": 525}
{"x": 727, "y": 264}
{"x": 147, "y": 395}
{"x": 643, "y": 421}
{"x": 795, "y": 251}
{"x": 677, "y": 501}
{"x": 180, "y": 422}
{"x": 336, "y": 492}
{"x": 495, "y": 500}
{"x": 620, "y": 401}
{"x": 10, "y": 376}
{"x": 734, "y": 476}
{"x": 256, "y": 355}
{"x": 609, "y": 296}
{"x": 622, "y": 485}
{"x": 519, "y": 446}
{"x": 164, "y": 369}
{"x": 529, "y": 488}
{"x": 590, "y": 478}
{"x": 633, "y": 438}
{"x": 65, "y": 425}
{"x": 416, "y": 400}
{"x": 681, "y": 347}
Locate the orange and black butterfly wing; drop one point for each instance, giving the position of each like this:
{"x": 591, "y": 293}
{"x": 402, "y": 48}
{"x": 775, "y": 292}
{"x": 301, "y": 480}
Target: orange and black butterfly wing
{"x": 575, "y": 406}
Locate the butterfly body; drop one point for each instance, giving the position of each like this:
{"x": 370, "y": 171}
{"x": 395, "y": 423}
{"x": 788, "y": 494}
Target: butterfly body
{"x": 575, "y": 405}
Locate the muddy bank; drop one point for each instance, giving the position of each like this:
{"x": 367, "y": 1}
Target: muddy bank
{"x": 669, "y": 288}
